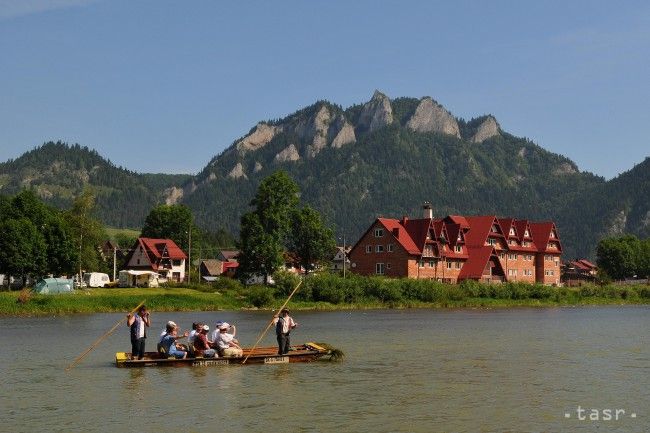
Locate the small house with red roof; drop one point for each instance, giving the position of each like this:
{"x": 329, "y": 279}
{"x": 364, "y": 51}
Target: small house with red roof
{"x": 578, "y": 271}
{"x": 159, "y": 255}
{"x": 455, "y": 248}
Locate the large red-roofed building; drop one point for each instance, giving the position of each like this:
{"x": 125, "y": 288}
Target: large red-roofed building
{"x": 455, "y": 248}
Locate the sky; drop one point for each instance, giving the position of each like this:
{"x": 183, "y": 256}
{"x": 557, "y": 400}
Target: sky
{"x": 164, "y": 86}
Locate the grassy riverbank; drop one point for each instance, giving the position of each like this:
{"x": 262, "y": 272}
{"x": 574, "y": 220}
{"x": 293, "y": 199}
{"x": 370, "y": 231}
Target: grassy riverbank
{"x": 322, "y": 292}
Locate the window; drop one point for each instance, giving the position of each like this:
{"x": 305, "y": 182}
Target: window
{"x": 368, "y": 248}
{"x": 379, "y": 268}
{"x": 431, "y": 263}
{"x": 379, "y": 249}
{"x": 492, "y": 242}
{"x": 526, "y": 233}
{"x": 389, "y": 248}
{"x": 387, "y": 265}
{"x": 449, "y": 265}
{"x": 512, "y": 272}
{"x": 526, "y": 243}
{"x": 458, "y": 248}
{"x": 512, "y": 231}
{"x": 502, "y": 255}
{"x": 458, "y": 265}
{"x": 379, "y": 233}
{"x": 138, "y": 261}
{"x": 421, "y": 263}
{"x": 494, "y": 229}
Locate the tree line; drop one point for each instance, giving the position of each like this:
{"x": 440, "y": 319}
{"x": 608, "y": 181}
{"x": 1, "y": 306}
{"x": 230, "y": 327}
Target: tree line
{"x": 624, "y": 257}
{"x": 38, "y": 240}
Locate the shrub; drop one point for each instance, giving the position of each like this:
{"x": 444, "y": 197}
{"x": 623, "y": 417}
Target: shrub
{"x": 285, "y": 282}
{"x": 225, "y": 283}
{"x": 260, "y": 296}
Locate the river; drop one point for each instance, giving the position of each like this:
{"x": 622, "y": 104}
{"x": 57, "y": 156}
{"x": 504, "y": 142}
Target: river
{"x": 516, "y": 370}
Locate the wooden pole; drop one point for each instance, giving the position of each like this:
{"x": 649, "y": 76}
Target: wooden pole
{"x": 99, "y": 340}
{"x": 270, "y": 323}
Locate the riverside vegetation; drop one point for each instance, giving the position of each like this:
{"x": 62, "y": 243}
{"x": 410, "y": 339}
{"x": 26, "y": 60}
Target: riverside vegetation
{"x": 323, "y": 292}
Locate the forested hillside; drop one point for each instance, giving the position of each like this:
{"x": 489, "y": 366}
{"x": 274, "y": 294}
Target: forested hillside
{"x": 59, "y": 172}
{"x": 384, "y": 157}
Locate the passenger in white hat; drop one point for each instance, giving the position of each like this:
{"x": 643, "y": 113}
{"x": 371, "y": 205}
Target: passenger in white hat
{"x": 227, "y": 343}
{"x": 203, "y": 346}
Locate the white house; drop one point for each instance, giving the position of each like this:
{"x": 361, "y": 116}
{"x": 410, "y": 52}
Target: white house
{"x": 159, "y": 255}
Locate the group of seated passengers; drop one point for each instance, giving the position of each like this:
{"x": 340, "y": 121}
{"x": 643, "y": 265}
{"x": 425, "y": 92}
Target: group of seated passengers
{"x": 223, "y": 343}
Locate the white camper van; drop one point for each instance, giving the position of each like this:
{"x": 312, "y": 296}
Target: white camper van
{"x": 96, "y": 279}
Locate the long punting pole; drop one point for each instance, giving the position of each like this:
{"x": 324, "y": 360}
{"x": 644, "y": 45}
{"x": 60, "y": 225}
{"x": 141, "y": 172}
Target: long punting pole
{"x": 99, "y": 340}
{"x": 270, "y": 323}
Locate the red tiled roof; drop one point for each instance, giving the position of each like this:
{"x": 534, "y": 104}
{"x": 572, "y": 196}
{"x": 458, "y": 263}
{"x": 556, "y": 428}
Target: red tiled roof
{"x": 477, "y": 262}
{"x": 404, "y": 238}
{"x": 452, "y": 231}
{"x": 541, "y": 233}
{"x": 506, "y": 224}
{"x": 479, "y": 229}
{"x": 229, "y": 265}
{"x": 156, "y": 247}
{"x": 418, "y": 230}
{"x": 579, "y": 265}
{"x": 521, "y": 226}
{"x": 587, "y": 263}
{"x": 458, "y": 219}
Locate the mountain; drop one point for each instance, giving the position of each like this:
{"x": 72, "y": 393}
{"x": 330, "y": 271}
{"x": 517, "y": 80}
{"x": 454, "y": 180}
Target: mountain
{"x": 59, "y": 172}
{"x": 382, "y": 157}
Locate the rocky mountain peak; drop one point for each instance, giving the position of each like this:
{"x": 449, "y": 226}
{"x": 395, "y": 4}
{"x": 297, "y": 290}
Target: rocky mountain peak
{"x": 376, "y": 113}
{"x": 430, "y": 116}
{"x": 325, "y": 125}
{"x": 259, "y": 137}
{"x": 487, "y": 129}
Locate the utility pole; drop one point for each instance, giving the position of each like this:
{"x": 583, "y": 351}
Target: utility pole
{"x": 114, "y": 261}
{"x": 189, "y": 255}
{"x": 345, "y": 256}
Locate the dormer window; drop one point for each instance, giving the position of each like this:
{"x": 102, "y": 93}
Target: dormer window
{"x": 552, "y": 234}
{"x": 492, "y": 242}
{"x": 458, "y": 249}
{"x": 512, "y": 231}
{"x": 379, "y": 233}
{"x": 494, "y": 229}
{"x": 526, "y": 233}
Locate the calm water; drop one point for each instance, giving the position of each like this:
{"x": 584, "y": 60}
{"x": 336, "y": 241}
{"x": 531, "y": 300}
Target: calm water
{"x": 516, "y": 370}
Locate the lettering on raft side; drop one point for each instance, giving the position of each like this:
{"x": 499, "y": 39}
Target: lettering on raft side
{"x": 211, "y": 362}
{"x": 276, "y": 360}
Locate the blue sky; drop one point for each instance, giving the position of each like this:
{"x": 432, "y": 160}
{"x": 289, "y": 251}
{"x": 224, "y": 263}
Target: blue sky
{"x": 163, "y": 86}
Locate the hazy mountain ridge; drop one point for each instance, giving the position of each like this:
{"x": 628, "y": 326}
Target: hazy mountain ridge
{"x": 383, "y": 157}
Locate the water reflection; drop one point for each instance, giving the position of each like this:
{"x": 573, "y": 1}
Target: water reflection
{"x": 419, "y": 370}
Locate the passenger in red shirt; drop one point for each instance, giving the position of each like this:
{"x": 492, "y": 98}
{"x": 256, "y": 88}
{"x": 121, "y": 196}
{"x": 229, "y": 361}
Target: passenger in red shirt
{"x": 203, "y": 346}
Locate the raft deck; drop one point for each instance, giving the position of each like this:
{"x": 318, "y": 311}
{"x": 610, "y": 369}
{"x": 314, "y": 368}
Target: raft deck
{"x": 307, "y": 352}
